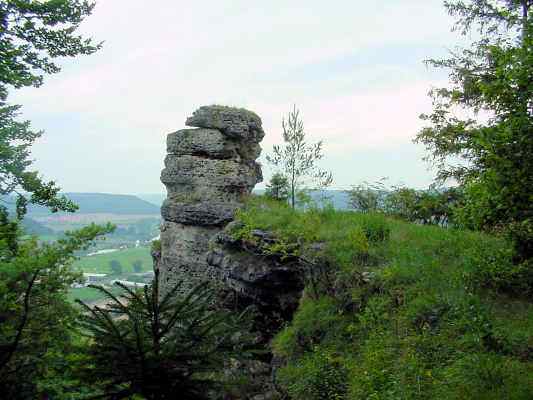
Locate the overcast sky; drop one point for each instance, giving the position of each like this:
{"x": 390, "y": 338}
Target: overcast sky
{"x": 354, "y": 69}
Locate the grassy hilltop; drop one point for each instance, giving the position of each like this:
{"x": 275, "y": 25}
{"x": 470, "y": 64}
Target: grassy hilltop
{"x": 400, "y": 311}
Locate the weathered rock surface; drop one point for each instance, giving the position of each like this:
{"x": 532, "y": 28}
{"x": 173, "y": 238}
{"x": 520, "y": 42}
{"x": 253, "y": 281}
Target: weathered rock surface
{"x": 192, "y": 179}
{"x": 210, "y": 143}
{"x": 208, "y": 173}
{"x": 236, "y": 123}
{"x": 272, "y": 285}
{"x": 183, "y": 250}
{"x": 201, "y": 213}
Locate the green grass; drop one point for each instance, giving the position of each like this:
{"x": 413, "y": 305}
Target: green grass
{"x": 100, "y": 263}
{"x": 415, "y": 312}
{"x": 87, "y": 294}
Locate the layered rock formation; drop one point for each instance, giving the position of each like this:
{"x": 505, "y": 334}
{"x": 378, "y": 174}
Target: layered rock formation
{"x": 208, "y": 172}
{"x": 253, "y": 277}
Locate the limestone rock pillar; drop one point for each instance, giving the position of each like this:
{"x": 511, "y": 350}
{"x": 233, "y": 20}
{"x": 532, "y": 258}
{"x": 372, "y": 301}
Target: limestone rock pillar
{"x": 209, "y": 170}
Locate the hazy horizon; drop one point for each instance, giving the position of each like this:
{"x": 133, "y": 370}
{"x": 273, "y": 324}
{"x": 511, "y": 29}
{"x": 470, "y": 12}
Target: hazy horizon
{"x": 359, "y": 82}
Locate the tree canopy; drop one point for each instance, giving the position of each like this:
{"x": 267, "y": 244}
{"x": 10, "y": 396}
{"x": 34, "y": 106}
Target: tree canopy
{"x": 492, "y": 79}
{"x": 34, "y": 33}
{"x": 278, "y": 187}
{"x": 35, "y": 315}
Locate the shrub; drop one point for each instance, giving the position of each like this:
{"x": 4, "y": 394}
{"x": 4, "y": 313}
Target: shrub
{"x": 367, "y": 197}
{"x": 116, "y": 267}
{"x": 492, "y": 267}
{"x": 278, "y": 188}
{"x": 318, "y": 375}
{"x": 146, "y": 343}
{"x": 156, "y": 246}
{"x": 137, "y": 266}
{"x": 313, "y": 321}
{"x": 375, "y": 227}
{"x": 486, "y": 376}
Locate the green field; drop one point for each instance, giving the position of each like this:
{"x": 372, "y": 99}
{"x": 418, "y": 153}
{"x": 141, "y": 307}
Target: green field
{"x": 100, "y": 263}
{"x": 89, "y": 295}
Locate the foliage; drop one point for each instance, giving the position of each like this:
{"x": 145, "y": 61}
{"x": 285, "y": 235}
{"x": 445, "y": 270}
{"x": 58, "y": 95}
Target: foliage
{"x": 298, "y": 159}
{"x": 497, "y": 270}
{"x": 318, "y": 375}
{"x": 15, "y": 140}
{"x": 137, "y": 265}
{"x": 34, "y": 33}
{"x": 366, "y": 197}
{"x": 156, "y": 246}
{"x": 431, "y": 206}
{"x": 278, "y": 187}
{"x": 116, "y": 267}
{"x": 425, "y": 314}
{"x": 61, "y": 379}
{"x": 493, "y": 78}
{"x": 156, "y": 344}
{"x": 34, "y": 310}
{"x": 35, "y": 315}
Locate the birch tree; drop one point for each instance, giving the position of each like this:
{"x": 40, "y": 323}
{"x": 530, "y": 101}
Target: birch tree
{"x": 297, "y": 159}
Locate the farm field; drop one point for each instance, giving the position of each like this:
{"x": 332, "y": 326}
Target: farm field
{"x": 87, "y": 295}
{"x": 100, "y": 263}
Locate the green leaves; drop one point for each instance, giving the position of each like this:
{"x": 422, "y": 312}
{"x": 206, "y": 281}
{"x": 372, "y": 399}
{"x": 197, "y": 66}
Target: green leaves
{"x": 35, "y": 315}
{"x": 278, "y": 187}
{"x": 157, "y": 344}
{"x": 16, "y": 137}
{"x": 33, "y": 34}
{"x": 490, "y": 155}
{"x": 297, "y": 160}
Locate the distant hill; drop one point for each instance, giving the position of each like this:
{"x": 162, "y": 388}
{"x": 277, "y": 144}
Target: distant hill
{"x": 33, "y": 227}
{"x": 339, "y": 198}
{"x": 93, "y": 203}
{"x": 143, "y": 204}
{"x": 154, "y": 198}
{"x": 98, "y": 203}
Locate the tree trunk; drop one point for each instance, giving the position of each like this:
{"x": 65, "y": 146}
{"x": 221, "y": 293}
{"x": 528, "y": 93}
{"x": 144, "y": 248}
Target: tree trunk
{"x": 292, "y": 194}
{"x": 293, "y": 189}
